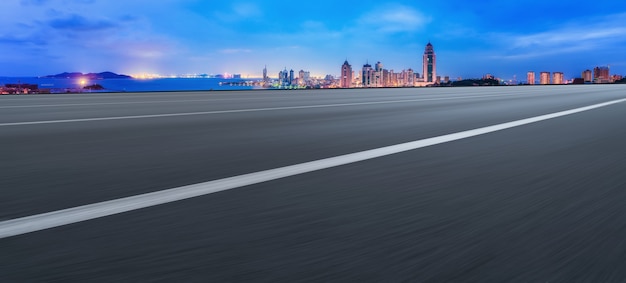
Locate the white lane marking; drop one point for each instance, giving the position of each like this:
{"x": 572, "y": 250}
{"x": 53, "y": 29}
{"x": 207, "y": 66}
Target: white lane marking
{"x": 238, "y": 111}
{"x": 58, "y": 218}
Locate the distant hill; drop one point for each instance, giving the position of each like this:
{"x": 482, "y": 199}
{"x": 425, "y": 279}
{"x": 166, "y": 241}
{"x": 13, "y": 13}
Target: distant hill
{"x": 91, "y": 76}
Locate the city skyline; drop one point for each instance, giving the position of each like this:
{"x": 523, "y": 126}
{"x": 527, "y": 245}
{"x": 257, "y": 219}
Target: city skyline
{"x": 505, "y": 38}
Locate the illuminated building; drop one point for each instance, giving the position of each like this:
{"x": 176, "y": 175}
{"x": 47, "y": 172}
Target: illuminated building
{"x": 587, "y": 76}
{"x": 367, "y": 77}
{"x": 601, "y": 75}
{"x": 378, "y": 74}
{"x": 430, "y": 64}
{"x": 346, "y": 75}
{"x": 530, "y": 78}
{"x": 557, "y": 78}
{"x": 544, "y": 78}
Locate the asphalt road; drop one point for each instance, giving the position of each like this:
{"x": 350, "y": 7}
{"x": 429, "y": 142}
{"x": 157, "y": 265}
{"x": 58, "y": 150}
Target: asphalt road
{"x": 542, "y": 202}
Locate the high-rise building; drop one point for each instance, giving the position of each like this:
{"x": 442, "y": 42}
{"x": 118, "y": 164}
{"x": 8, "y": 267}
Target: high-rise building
{"x": 430, "y": 64}
{"x": 346, "y": 75}
{"x": 587, "y": 76}
{"x": 557, "y": 78}
{"x": 291, "y": 77}
{"x": 544, "y": 78}
{"x": 601, "y": 75}
{"x": 283, "y": 77}
{"x": 367, "y": 77}
{"x": 265, "y": 79}
{"x": 530, "y": 78}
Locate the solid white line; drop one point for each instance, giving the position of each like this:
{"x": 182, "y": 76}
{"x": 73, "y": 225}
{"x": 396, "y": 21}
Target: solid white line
{"x": 236, "y": 111}
{"x": 58, "y": 218}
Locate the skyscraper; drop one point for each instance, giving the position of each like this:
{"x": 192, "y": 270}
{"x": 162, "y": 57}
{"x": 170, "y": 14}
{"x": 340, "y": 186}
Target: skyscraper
{"x": 544, "y": 78}
{"x": 346, "y": 75}
{"x": 378, "y": 76}
{"x": 430, "y": 64}
{"x": 265, "y": 74}
{"x": 368, "y": 75}
{"x": 530, "y": 78}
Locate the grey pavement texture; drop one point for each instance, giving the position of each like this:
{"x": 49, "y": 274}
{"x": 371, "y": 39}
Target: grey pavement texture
{"x": 537, "y": 203}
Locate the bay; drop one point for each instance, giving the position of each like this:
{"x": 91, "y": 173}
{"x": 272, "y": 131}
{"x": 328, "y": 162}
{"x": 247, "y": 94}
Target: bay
{"x": 134, "y": 85}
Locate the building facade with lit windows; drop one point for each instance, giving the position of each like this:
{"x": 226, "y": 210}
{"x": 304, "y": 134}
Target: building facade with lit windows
{"x": 367, "y": 75}
{"x": 430, "y": 64}
{"x": 530, "y": 78}
{"x": 346, "y": 75}
{"x": 557, "y": 78}
{"x": 587, "y": 76}
{"x": 601, "y": 75}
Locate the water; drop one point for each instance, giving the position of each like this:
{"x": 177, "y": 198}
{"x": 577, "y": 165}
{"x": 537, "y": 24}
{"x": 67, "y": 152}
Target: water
{"x": 132, "y": 85}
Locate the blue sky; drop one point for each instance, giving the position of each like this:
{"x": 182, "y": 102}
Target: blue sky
{"x": 471, "y": 38}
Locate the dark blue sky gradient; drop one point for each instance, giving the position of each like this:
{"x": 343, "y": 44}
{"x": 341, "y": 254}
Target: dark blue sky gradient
{"x": 504, "y": 38}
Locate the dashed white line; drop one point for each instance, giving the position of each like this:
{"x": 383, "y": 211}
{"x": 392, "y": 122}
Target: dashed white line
{"x": 53, "y": 219}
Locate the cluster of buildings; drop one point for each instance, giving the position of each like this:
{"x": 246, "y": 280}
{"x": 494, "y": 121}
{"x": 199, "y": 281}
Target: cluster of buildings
{"x": 367, "y": 77}
{"x": 289, "y": 79}
{"x": 600, "y": 75}
{"x": 377, "y": 76}
{"x": 22, "y": 89}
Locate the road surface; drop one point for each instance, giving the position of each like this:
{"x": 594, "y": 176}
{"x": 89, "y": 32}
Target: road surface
{"x": 542, "y": 201}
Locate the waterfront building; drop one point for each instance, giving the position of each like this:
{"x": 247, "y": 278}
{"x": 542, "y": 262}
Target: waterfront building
{"x": 301, "y": 75}
{"x": 587, "y": 76}
{"x": 530, "y": 78}
{"x": 408, "y": 77}
{"x": 601, "y": 75}
{"x": 429, "y": 63}
{"x": 346, "y": 75}
{"x": 265, "y": 78}
{"x": 378, "y": 75}
{"x": 544, "y": 78}
{"x": 367, "y": 77}
{"x": 557, "y": 78}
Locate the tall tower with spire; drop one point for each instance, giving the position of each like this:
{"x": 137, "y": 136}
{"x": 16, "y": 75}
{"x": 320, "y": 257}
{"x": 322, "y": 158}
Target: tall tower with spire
{"x": 430, "y": 64}
{"x": 346, "y": 75}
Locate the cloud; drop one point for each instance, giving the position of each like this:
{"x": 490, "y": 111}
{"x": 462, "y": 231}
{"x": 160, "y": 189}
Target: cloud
{"x": 234, "y": 51}
{"x": 239, "y": 12}
{"x": 77, "y": 22}
{"x": 575, "y": 37}
{"x": 33, "y": 2}
{"x": 394, "y": 19}
{"x": 21, "y": 41}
